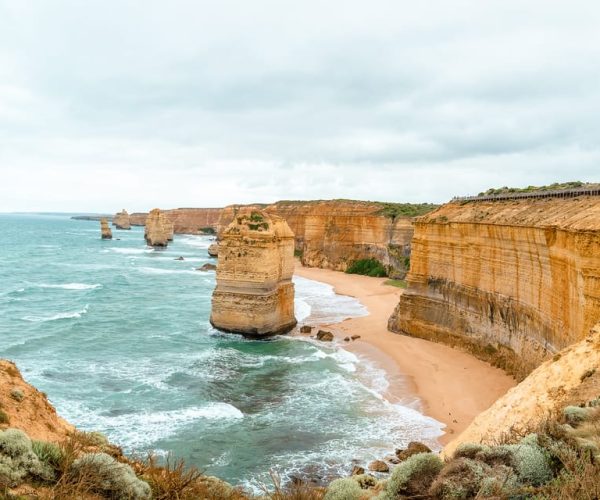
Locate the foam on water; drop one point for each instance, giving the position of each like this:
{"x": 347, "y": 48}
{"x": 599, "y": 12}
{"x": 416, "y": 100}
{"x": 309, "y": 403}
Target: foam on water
{"x": 145, "y": 367}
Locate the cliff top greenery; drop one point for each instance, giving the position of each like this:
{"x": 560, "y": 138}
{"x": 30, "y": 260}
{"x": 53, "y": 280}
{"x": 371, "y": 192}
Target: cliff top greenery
{"x": 388, "y": 209}
{"x": 557, "y": 186}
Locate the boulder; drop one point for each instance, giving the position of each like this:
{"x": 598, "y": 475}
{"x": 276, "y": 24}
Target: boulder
{"x": 207, "y": 267}
{"x": 379, "y": 466}
{"x": 355, "y": 337}
{"x": 179, "y": 258}
{"x": 357, "y": 471}
{"x": 254, "y": 295}
{"x": 158, "y": 229}
{"x": 414, "y": 447}
{"x": 324, "y": 336}
{"x": 213, "y": 250}
{"x": 105, "y": 231}
{"x": 306, "y": 329}
{"x": 346, "y": 339}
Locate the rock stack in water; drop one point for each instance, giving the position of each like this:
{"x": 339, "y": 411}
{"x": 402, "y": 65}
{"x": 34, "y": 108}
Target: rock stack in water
{"x": 157, "y": 230}
{"x": 255, "y": 294}
{"x": 105, "y": 229}
{"x": 121, "y": 220}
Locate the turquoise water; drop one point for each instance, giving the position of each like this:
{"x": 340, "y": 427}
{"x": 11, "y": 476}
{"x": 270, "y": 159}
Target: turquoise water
{"x": 117, "y": 335}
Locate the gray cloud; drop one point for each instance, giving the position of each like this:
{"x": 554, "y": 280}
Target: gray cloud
{"x": 106, "y": 104}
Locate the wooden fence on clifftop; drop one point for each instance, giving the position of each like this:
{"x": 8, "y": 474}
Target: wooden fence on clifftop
{"x": 564, "y": 193}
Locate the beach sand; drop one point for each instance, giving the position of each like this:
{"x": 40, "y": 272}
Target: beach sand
{"x": 452, "y": 386}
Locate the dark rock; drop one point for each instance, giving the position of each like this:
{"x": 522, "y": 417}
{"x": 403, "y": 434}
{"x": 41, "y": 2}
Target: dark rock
{"x": 357, "y": 471}
{"x": 379, "y": 466}
{"x": 207, "y": 267}
{"x": 414, "y": 447}
{"x": 306, "y": 329}
{"x": 324, "y": 336}
{"x": 179, "y": 258}
{"x": 346, "y": 339}
{"x": 393, "y": 459}
{"x": 354, "y": 337}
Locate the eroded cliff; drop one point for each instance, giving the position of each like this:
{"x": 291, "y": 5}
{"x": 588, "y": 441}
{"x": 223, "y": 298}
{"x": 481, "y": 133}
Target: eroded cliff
{"x": 513, "y": 281}
{"x": 254, "y": 295}
{"x": 333, "y": 234}
{"x": 121, "y": 220}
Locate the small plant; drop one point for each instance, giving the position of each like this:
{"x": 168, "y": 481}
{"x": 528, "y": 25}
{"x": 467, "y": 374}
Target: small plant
{"x": 48, "y": 453}
{"x": 207, "y": 230}
{"x": 414, "y": 476}
{"x": 108, "y": 477}
{"x": 367, "y": 267}
{"x": 298, "y": 254}
{"x": 17, "y": 395}
{"x": 396, "y": 283}
{"x": 344, "y": 489}
{"x": 18, "y": 461}
{"x": 4, "y": 419}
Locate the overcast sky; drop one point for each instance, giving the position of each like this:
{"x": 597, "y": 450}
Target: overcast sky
{"x": 113, "y": 103}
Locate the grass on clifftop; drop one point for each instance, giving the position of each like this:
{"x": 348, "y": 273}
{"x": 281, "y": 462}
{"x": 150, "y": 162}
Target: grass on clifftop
{"x": 396, "y": 283}
{"x": 557, "y": 186}
{"x": 387, "y": 209}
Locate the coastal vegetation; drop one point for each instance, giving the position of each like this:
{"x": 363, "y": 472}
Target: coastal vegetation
{"x": 367, "y": 267}
{"x": 396, "y": 283}
{"x": 556, "y": 186}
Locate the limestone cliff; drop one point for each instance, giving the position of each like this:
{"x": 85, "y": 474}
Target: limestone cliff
{"x": 138, "y": 218}
{"x": 332, "y": 234}
{"x": 514, "y": 281}
{"x": 158, "y": 229}
{"x": 572, "y": 377}
{"x": 105, "y": 231}
{"x": 121, "y": 220}
{"x": 194, "y": 220}
{"x": 254, "y": 295}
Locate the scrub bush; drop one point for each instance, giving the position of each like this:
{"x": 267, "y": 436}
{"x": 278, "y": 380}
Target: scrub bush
{"x": 413, "y": 476}
{"x": 48, "y": 453}
{"x": 106, "y": 476}
{"x": 17, "y": 395}
{"x": 367, "y": 267}
{"x": 18, "y": 461}
{"x": 343, "y": 489}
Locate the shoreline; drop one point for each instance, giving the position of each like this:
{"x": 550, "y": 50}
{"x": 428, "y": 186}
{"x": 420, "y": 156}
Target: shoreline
{"x": 451, "y": 386}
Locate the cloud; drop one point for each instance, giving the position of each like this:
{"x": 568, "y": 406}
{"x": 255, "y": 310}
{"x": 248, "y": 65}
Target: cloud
{"x": 105, "y": 104}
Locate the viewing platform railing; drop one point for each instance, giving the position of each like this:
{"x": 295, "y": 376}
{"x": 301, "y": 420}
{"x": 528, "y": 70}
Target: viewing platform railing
{"x": 559, "y": 193}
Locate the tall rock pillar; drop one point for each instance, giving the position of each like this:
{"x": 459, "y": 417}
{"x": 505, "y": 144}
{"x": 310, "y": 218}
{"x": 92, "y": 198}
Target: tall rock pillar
{"x": 121, "y": 220}
{"x": 254, "y": 295}
{"x": 157, "y": 230}
{"x": 105, "y": 229}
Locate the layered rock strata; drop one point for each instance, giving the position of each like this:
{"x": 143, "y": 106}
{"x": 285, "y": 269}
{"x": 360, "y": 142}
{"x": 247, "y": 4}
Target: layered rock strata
{"x": 513, "y": 281}
{"x": 334, "y": 234}
{"x": 254, "y": 295}
{"x": 185, "y": 220}
{"x": 105, "y": 231}
{"x": 121, "y": 220}
{"x": 158, "y": 229}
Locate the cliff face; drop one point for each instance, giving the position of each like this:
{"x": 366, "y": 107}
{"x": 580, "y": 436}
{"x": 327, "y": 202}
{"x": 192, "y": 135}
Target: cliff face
{"x": 513, "y": 281}
{"x": 138, "y": 218}
{"x": 571, "y": 378}
{"x": 158, "y": 229}
{"x": 254, "y": 294}
{"x": 121, "y": 220}
{"x": 333, "y": 234}
{"x": 185, "y": 220}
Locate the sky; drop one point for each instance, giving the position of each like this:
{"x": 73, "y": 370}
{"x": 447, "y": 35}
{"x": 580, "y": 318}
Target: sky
{"x": 110, "y": 104}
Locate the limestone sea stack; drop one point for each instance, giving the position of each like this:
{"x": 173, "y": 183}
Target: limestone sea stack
{"x": 105, "y": 229}
{"x": 121, "y": 220}
{"x": 157, "y": 230}
{"x": 254, "y": 295}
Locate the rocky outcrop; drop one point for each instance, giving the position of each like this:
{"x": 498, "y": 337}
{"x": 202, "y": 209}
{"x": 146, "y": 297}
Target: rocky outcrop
{"x": 158, "y": 229}
{"x": 105, "y": 231}
{"x": 121, "y": 220}
{"x": 513, "y": 281}
{"x": 194, "y": 220}
{"x": 333, "y": 234}
{"x": 31, "y": 412}
{"x": 571, "y": 377}
{"x": 138, "y": 218}
{"x": 213, "y": 250}
{"x": 254, "y": 295}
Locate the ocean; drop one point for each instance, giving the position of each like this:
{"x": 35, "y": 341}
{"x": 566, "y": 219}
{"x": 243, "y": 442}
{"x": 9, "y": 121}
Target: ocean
{"x": 117, "y": 335}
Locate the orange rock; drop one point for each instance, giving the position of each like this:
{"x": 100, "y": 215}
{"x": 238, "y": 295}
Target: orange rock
{"x": 158, "y": 229}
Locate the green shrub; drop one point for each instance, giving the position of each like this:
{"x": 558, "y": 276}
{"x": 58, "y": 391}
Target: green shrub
{"x": 413, "y": 476}
{"x": 108, "y": 477}
{"x": 4, "y": 417}
{"x": 48, "y": 453}
{"x": 575, "y": 414}
{"x": 365, "y": 481}
{"x": 18, "y": 461}
{"x": 343, "y": 489}
{"x": 17, "y": 395}
{"x": 461, "y": 478}
{"x": 532, "y": 463}
{"x": 469, "y": 450}
{"x": 367, "y": 267}
{"x": 207, "y": 230}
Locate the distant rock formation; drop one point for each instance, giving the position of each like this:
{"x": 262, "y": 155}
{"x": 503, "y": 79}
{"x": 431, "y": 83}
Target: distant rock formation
{"x": 255, "y": 294}
{"x": 158, "y": 229}
{"x": 213, "y": 250}
{"x": 170, "y": 229}
{"x": 121, "y": 220}
{"x": 105, "y": 229}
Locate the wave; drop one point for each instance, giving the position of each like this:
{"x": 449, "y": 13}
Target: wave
{"x": 136, "y": 430}
{"x": 71, "y": 286}
{"x": 65, "y": 315}
{"x": 302, "y": 309}
{"x": 128, "y": 251}
{"x": 156, "y": 270}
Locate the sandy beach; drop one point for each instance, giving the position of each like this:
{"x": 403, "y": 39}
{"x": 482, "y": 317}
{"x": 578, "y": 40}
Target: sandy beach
{"x": 453, "y": 386}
